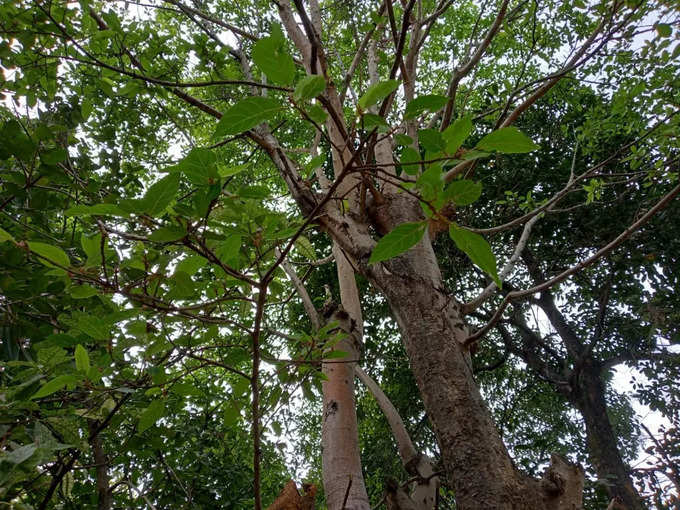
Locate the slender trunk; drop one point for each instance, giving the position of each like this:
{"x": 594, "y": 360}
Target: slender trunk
{"x": 341, "y": 460}
{"x": 104, "y": 495}
{"x": 589, "y": 398}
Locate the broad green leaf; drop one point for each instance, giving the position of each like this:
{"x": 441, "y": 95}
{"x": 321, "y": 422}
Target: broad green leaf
{"x": 5, "y": 236}
{"x": 305, "y": 248}
{"x": 335, "y": 354}
{"x": 456, "y": 133}
{"x": 247, "y": 114}
{"x": 431, "y": 139}
{"x": 92, "y": 248}
{"x": 86, "y": 108}
{"x": 475, "y": 247}
{"x": 160, "y": 194}
{"x": 429, "y": 103}
{"x": 230, "y": 415}
{"x": 403, "y": 139}
{"x": 229, "y": 250}
{"x": 53, "y": 156}
{"x": 52, "y": 254}
{"x": 95, "y": 210}
{"x": 168, "y": 234}
{"x": 94, "y": 327}
{"x": 371, "y": 120}
{"x": 271, "y": 56}
{"x": 54, "y": 385}
{"x": 151, "y": 415}
{"x": 82, "y": 359}
{"x": 463, "y": 191}
{"x": 309, "y": 87}
{"x": 199, "y": 166}
{"x": 315, "y": 163}
{"x": 376, "y": 93}
{"x": 19, "y": 455}
{"x": 663, "y": 29}
{"x": 410, "y": 160}
{"x": 316, "y": 113}
{"x": 82, "y": 291}
{"x": 508, "y": 140}
{"x": 399, "y": 240}
{"x": 191, "y": 264}
{"x": 430, "y": 182}
{"x": 228, "y": 171}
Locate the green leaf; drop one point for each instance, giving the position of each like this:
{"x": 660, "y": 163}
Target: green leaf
{"x": 191, "y": 264}
{"x": 86, "y": 108}
{"x": 52, "y": 254}
{"x": 53, "y": 156}
{"x": 54, "y": 385}
{"x": 399, "y": 240}
{"x": 508, "y": 140}
{"x": 271, "y": 56}
{"x": 247, "y": 114}
{"x": 335, "y": 354}
{"x": 475, "y": 247}
{"x": 199, "y": 166}
{"x": 168, "y": 234}
{"x": 456, "y": 133}
{"x": 403, "y": 139}
{"x": 92, "y": 248}
{"x": 376, "y": 93}
{"x": 663, "y": 29}
{"x": 305, "y": 247}
{"x": 431, "y": 139}
{"x": 82, "y": 359}
{"x": 429, "y": 103}
{"x": 410, "y": 160}
{"x": 316, "y": 113}
{"x": 94, "y": 327}
{"x": 19, "y": 455}
{"x": 82, "y": 291}
{"x": 371, "y": 120}
{"x": 151, "y": 415}
{"x": 5, "y": 236}
{"x": 160, "y": 194}
{"x": 96, "y": 210}
{"x": 309, "y": 87}
{"x": 315, "y": 163}
{"x": 230, "y": 415}
{"x": 430, "y": 182}
{"x": 463, "y": 192}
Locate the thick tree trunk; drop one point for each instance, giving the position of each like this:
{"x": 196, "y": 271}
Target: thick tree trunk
{"x": 476, "y": 460}
{"x": 589, "y": 398}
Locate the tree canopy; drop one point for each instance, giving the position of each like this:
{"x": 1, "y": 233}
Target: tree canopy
{"x": 393, "y": 250}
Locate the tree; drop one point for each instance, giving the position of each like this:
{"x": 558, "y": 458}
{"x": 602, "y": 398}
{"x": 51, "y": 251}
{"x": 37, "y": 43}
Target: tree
{"x": 349, "y": 112}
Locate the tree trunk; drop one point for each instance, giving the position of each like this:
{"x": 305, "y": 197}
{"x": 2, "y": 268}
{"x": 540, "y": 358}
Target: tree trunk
{"x": 104, "y": 494}
{"x": 589, "y": 397}
{"x": 341, "y": 459}
{"x": 477, "y": 463}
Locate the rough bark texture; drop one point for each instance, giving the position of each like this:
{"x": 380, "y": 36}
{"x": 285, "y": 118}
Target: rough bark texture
{"x": 589, "y": 397}
{"x": 433, "y": 330}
